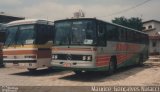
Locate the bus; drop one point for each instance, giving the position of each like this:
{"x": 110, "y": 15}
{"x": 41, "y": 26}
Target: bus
{"x": 2, "y": 39}
{"x": 28, "y": 44}
{"x": 89, "y": 44}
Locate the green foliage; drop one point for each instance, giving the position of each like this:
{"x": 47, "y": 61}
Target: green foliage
{"x": 133, "y": 22}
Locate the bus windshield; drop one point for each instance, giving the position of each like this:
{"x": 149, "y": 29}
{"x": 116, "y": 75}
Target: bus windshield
{"x": 20, "y": 35}
{"x": 26, "y": 35}
{"x": 79, "y": 32}
{"x": 11, "y": 34}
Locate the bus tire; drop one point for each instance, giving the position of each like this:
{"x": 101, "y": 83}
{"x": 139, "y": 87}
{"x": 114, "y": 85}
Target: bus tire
{"x": 78, "y": 72}
{"x": 112, "y": 66}
{"x": 141, "y": 60}
{"x": 32, "y": 70}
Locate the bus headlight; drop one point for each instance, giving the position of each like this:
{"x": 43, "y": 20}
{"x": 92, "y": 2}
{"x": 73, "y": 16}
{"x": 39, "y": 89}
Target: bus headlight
{"x": 84, "y": 58}
{"x": 55, "y": 57}
{"x": 89, "y": 58}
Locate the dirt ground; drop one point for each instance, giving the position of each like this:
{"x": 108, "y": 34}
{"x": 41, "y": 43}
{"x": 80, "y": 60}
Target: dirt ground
{"x": 146, "y": 75}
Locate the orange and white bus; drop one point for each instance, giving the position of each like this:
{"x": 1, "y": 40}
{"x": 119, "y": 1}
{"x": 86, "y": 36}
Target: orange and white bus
{"x": 28, "y": 44}
{"x": 89, "y": 44}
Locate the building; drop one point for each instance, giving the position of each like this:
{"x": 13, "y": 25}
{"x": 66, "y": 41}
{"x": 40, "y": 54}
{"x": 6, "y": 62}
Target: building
{"x": 7, "y": 18}
{"x": 152, "y": 28}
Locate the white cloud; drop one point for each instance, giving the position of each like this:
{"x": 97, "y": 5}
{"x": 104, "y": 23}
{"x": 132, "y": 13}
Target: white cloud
{"x": 48, "y": 10}
{"x": 52, "y": 10}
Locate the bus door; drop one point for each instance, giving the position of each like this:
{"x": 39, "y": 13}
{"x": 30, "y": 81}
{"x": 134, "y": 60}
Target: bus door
{"x": 102, "y": 54}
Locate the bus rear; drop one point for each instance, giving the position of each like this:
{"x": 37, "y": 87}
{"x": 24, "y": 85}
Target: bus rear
{"x": 28, "y": 44}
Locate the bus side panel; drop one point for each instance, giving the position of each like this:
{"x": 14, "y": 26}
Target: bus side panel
{"x": 133, "y": 52}
{"x": 102, "y": 60}
{"x": 125, "y": 53}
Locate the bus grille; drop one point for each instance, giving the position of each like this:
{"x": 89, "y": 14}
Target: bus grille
{"x": 70, "y": 57}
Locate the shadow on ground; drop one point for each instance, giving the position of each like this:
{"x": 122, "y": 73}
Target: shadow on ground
{"x": 42, "y": 72}
{"x": 120, "y": 74}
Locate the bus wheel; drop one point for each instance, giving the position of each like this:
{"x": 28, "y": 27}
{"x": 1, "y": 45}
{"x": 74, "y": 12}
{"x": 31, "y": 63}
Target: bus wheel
{"x": 112, "y": 67}
{"x": 78, "y": 72}
{"x": 140, "y": 62}
{"x": 32, "y": 70}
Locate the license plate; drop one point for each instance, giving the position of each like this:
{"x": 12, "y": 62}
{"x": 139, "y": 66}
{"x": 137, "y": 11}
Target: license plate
{"x": 67, "y": 65}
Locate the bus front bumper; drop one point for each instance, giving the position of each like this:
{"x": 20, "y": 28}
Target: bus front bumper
{"x": 31, "y": 64}
{"x": 77, "y": 67}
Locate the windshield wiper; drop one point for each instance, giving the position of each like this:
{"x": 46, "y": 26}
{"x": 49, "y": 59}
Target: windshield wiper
{"x": 64, "y": 41}
{"x": 22, "y": 43}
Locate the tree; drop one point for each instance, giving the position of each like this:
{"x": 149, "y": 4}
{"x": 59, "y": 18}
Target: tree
{"x": 133, "y": 22}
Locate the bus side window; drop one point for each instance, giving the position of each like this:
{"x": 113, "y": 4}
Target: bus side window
{"x": 130, "y": 36}
{"x": 122, "y": 36}
{"x": 139, "y": 40}
{"x": 112, "y": 33}
{"x": 101, "y": 34}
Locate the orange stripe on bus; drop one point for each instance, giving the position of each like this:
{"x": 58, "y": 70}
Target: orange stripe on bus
{"x": 102, "y": 60}
{"x": 121, "y": 58}
{"x": 103, "y": 63}
{"x": 20, "y": 52}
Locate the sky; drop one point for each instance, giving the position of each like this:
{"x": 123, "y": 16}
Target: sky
{"x": 61, "y": 9}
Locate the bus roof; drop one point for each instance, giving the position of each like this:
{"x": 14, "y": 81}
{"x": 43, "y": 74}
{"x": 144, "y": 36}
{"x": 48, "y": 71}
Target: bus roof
{"x": 29, "y": 21}
{"x": 102, "y": 21}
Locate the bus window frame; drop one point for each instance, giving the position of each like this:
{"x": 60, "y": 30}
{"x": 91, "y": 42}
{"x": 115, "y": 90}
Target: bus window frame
{"x": 113, "y": 32}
